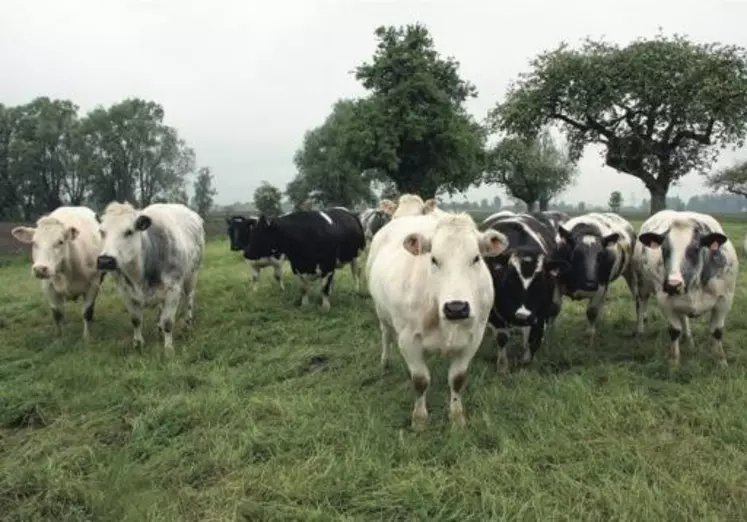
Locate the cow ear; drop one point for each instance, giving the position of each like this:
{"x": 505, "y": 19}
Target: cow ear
{"x": 388, "y": 206}
{"x": 492, "y": 243}
{"x": 417, "y": 244}
{"x": 71, "y": 233}
{"x": 429, "y": 206}
{"x": 610, "y": 240}
{"x": 713, "y": 241}
{"x": 565, "y": 236}
{"x": 23, "y": 234}
{"x": 555, "y": 267}
{"x": 651, "y": 239}
{"x": 142, "y": 222}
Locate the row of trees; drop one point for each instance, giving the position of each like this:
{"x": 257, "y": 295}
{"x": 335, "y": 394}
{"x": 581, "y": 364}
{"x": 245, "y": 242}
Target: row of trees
{"x": 50, "y": 156}
{"x": 659, "y": 109}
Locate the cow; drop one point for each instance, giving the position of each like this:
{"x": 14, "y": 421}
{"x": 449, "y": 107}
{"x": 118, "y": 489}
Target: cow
{"x": 409, "y": 205}
{"x": 524, "y": 281}
{"x": 65, "y": 244}
{"x": 500, "y": 213}
{"x": 686, "y": 260}
{"x": 315, "y": 242}
{"x": 554, "y": 218}
{"x": 432, "y": 292}
{"x": 239, "y": 229}
{"x": 155, "y": 255}
{"x": 599, "y": 248}
{"x": 372, "y": 219}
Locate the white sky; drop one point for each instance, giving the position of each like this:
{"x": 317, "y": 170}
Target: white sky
{"x": 243, "y": 79}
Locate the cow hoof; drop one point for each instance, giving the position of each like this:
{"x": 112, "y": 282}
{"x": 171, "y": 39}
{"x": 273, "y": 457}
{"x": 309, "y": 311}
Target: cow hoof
{"x": 137, "y": 343}
{"x": 325, "y": 306}
{"x": 419, "y": 421}
{"x": 458, "y": 419}
{"x": 721, "y": 363}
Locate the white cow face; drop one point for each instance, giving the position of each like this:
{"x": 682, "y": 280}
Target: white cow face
{"x": 121, "y": 238}
{"x": 49, "y": 245}
{"x": 456, "y": 266}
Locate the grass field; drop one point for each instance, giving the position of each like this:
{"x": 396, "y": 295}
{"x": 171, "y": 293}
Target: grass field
{"x": 269, "y": 412}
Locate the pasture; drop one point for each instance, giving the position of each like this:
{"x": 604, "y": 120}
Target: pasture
{"x": 269, "y": 412}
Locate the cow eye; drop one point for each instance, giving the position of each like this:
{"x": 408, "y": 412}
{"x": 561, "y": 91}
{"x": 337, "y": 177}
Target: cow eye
{"x": 434, "y": 262}
{"x": 60, "y": 242}
{"x": 476, "y": 260}
{"x": 128, "y": 233}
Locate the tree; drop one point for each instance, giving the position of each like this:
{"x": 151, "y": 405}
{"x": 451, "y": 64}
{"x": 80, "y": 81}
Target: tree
{"x": 298, "y": 192}
{"x": 731, "y": 179}
{"x": 531, "y": 169}
{"x": 204, "y": 192}
{"x": 413, "y": 128}
{"x": 615, "y": 201}
{"x": 331, "y": 176}
{"x": 267, "y": 199}
{"x": 660, "y": 108}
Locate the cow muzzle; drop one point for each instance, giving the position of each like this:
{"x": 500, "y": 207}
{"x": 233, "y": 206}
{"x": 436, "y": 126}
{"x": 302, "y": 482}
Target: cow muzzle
{"x": 456, "y": 310}
{"x": 41, "y": 271}
{"x": 106, "y": 263}
{"x": 673, "y": 287}
{"x": 522, "y": 314}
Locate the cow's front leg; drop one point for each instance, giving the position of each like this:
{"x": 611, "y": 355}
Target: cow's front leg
{"x": 593, "y": 311}
{"x": 457, "y": 380}
{"x": 255, "y": 275}
{"x": 304, "y": 279}
{"x": 412, "y": 352}
{"x": 57, "y": 306}
{"x": 326, "y": 289}
{"x": 277, "y": 269}
{"x": 675, "y": 332}
{"x": 501, "y": 340}
{"x": 532, "y": 340}
{"x": 134, "y": 307}
{"x": 88, "y": 308}
{"x": 641, "y": 311}
{"x": 166, "y": 322}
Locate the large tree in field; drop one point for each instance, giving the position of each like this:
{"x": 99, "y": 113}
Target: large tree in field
{"x": 730, "y": 179}
{"x": 267, "y": 199}
{"x": 533, "y": 170}
{"x": 330, "y": 174}
{"x": 413, "y": 129}
{"x": 661, "y": 108}
{"x": 204, "y": 192}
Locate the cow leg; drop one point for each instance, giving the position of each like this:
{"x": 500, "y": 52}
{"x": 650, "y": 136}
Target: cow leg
{"x": 532, "y": 340}
{"x": 675, "y": 331}
{"x": 88, "y": 306}
{"x": 277, "y": 269}
{"x": 166, "y": 322}
{"x": 501, "y": 339}
{"x": 457, "y": 380}
{"x": 304, "y": 289}
{"x": 355, "y": 270}
{"x": 135, "y": 309}
{"x": 412, "y": 353}
{"x": 641, "y": 311}
{"x": 717, "y": 322}
{"x": 57, "y": 305}
{"x": 593, "y": 311}
{"x": 326, "y": 289}
{"x": 387, "y": 338}
{"x": 687, "y": 332}
{"x": 189, "y": 296}
{"x": 255, "y": 275}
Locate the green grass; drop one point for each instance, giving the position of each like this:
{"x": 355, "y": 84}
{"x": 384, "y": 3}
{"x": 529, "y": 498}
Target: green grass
{"x": 271, "y": 413}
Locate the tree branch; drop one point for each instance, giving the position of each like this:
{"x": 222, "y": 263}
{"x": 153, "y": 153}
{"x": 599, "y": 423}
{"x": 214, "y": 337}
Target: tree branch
{"x": 703, "y": 139}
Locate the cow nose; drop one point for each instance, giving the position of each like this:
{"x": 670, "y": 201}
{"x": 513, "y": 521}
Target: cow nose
{"x": 456, "y": 310}
{"x": 673, "y": 286}
{"x": 41, "y": 271}
{"x": 106, "y": 263}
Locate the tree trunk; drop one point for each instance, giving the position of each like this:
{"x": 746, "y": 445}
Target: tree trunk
{"x": 544, "y": 203}
{"x": 531, "y": 206}
{"x": 658, "y": 197}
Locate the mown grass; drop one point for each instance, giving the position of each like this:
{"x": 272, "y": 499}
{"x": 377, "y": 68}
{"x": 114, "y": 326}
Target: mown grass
{"x": 269, "y": 412}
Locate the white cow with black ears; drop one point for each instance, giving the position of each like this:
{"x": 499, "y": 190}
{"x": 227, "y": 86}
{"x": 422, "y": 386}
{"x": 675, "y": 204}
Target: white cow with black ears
{"x": 433, "y": 292}
{"x": 686, "y": 260}
{"x": 154, "y": 254}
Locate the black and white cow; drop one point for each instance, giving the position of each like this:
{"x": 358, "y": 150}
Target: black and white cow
{"x": 239, "y": 229}
{"x": 316, "y": 242}
{"x": 524, "y": 281}
{"x": 599, "y": 249}
{"x": 373, "y": 219}
{"x": 554, "y": 218}
{"x": 686, "y": 260}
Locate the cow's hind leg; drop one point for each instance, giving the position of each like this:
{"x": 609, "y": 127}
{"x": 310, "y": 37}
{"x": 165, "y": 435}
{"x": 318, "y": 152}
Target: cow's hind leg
{"x": 355, "y": 270}
{"x": 168, "y": 314}
{"x": 57, "y": 305}
{"x": 88, "y": 308}
{"x": 412, "y": 353}
{"x": 675, "y": 332}
{"x": 387, "y": 338}
{"x": 304, "y": 279}
{"x": 135, "y": 309}
{"x": 717, "y": 322}
{"x": 326, "y": 289}
{"x": 532, "y": 340}
{"x": 189, "y": 297}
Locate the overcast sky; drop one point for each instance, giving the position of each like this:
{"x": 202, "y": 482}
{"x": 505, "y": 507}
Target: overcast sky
{"x": 243, "y": 79}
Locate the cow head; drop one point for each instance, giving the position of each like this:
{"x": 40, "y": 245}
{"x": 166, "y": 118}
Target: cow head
{"x": 589, "y": 254}
{"x": 239, "y": 231}
{"x": 49, "y": 241}
{"x": 263, "y": 240}
{"x": 689, "y": 254}
{"x": 524, "y": 281}
{"x": 121, "y": 231}
{"x": 455, "y": 252}
{"x": 388, "y": 207}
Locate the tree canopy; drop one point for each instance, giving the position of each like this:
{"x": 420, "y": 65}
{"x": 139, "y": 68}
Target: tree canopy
{"x": 531, "y": 169}
{"x": 267, "y": 199}
{"x": 730, "y": 179}
{"x": 661, "y": 108}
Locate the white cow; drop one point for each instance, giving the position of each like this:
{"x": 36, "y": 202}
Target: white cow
{"x": 155, "y": 254}
{"x": 65, "y": 244}
{"x": 433, "y": 292}
{"x": 409, "y": 205}
{"x": 686, "y": 260}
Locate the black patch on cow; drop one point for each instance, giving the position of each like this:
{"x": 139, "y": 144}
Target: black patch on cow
{"x": 718, "y": 334}
{"x": 88, "y": 313}
{"x": 168, "y": 325}
{"x": 502, "y": 338}
{"x": 674, "y": 333}
{"x": 420, "y": 383}
{"x": 458, "y": 382}
{"x": 57, "y": 315}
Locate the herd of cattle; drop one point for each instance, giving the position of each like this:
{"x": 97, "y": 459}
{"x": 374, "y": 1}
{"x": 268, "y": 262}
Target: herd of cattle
{"x": 437, "y": 279}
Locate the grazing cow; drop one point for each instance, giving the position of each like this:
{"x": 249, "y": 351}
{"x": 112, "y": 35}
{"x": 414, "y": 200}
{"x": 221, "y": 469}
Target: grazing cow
{"x": 686, "y": 260}
{"x": 599, "y": 248}
{"x": 154, "y": 254}
{"x": 240, "y": 231}
{"x": 372, "y": 219}
{"x": 524, "y": 280}
{"x": 65, "y": 244}
{"x": 432, "y": 292}
{"x": 316, "y": 242}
